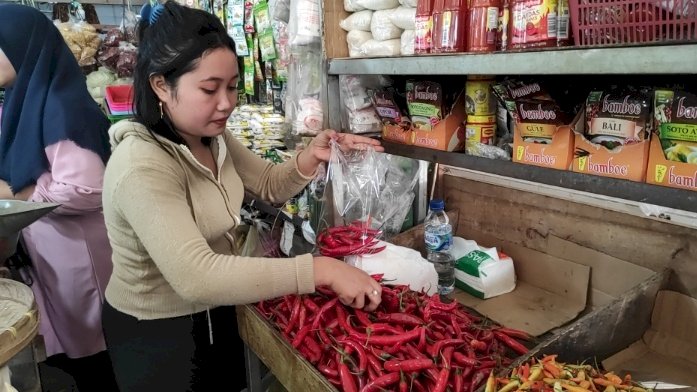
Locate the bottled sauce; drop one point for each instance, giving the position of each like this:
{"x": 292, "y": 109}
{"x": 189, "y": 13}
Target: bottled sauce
{"x": 453, "y": 31}
{"x": 423, "y": 34}
{"x": 437, "y": 27}
{"x": 504, "y": 25}
{"x": 484, "y": 25}
{"x": 533, "y": 23}
{"x": 438, "y": 237}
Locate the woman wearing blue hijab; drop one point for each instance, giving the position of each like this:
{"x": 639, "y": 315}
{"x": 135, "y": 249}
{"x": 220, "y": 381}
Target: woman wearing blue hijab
{"x": 53, "y": 148}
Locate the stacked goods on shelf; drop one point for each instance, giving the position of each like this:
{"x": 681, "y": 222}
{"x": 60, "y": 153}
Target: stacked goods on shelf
{"x": 82, "y": 40}
{"x": 117, "y": 53}
{"x": 411, "y": 339}
{"x": 119, "y": 102}
{"x": 481, "y": 124}
{"x": 258, "y": 128}
{"x": 380, "y": 27}
{"x": 359, "y": 112}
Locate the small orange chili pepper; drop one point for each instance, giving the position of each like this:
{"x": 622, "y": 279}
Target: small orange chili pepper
{"x": 585, "y": 384}
{"x": 612, "y": 377}
{"x": 549, "y": 358}
{"x": 526, "y": 372}
{"x": 572, "y": 388}
{"x": 552, "y": 368}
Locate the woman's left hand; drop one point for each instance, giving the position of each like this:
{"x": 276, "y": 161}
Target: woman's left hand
{"x": 321, "y": 149}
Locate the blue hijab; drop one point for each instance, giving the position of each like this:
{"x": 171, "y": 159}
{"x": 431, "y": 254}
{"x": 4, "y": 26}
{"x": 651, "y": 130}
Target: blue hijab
{"x": 48, "y": 101}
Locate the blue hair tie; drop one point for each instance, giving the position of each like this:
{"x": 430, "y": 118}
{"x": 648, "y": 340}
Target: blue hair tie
{"x": 151, "y": 11}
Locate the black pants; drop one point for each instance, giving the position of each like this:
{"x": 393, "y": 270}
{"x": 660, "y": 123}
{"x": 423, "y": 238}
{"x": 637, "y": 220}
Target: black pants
{"x": 175, "y": 354}
{"x": 91, "y": 374}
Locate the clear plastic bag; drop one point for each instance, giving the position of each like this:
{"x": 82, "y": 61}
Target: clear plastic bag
{"x": 357, "y": 21}
{"x": 355, "y": 40}
{"x": 404, "y": 18}
{"x": 407, "y": 42}
{"x": 304, "y": 24}
{"x": 375, "y": 48}
{"x": 352, "y": 6}
{"x": 372, "y": 193}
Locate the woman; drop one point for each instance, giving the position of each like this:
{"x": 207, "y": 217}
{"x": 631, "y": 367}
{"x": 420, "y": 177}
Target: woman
{"x": 53, "y": 148}
{"x": 173, "y": 190}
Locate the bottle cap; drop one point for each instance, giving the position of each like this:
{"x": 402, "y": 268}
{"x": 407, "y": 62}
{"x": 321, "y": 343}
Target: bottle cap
{"x": 437, "y": 205}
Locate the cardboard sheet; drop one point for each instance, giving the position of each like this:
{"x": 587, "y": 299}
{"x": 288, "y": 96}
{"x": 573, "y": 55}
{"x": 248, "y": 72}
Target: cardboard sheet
{"x": 550, "y": 291}
{"x": 667, "y": 351}
{"x": 610, "y": 277}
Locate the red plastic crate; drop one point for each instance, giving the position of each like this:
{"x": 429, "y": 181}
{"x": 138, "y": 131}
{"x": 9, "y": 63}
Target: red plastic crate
{"x": 119, "y": 98}
{"x": 613, "y": 22}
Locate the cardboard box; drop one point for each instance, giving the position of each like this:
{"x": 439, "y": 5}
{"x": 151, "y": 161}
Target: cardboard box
{"x": 662, "y": 171}
{"x": 447, "y": 135}
{"x": 624, "y": 162}
{"x": 550, "y": 291}
{"x": 557, "y": 155}
{"x": 667, "y": 351}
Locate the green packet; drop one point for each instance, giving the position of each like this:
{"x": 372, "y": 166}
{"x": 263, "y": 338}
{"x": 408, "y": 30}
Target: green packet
{"x": 249, "y": 75}
{"x": 266, "y": 45}
{"x": 675, "y": 115}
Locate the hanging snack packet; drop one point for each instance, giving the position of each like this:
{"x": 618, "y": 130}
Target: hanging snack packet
{"x": 261, "y": 16}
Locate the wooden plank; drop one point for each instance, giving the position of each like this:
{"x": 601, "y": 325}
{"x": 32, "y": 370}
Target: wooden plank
{"x": 291, "y": 369}
{"x": 530, "y": 219}
{"x": 335, "y": 45}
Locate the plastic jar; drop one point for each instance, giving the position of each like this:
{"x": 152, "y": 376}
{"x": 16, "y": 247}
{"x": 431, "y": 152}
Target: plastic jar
{"x": 483, "y": 25}
{"x": 479, "y": 100}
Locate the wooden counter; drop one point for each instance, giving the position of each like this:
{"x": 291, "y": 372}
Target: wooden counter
{"x": 286, "y": 363}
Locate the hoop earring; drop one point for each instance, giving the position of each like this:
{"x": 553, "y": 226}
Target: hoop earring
{"x": 161, "y": 112}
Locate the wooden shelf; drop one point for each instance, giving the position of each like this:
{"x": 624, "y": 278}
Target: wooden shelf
{"x": 622, "y": 189}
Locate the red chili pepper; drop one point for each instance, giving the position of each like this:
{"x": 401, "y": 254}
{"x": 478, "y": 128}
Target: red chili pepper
{"x": 318, "y": 317}
{"x": 401, "y": 318}
{"x": 343, "y": 318}
{"x": 442, "y": 381}
{"x": 362, "y": 317}
{"x": 380, "y": 328}
{"x": 447, "y": 356}
{"x": 388, "y": 340}
{"x": 403, "y": 385}
{"x": 411, "y": 350}
{"x": 436, "y": 303}
{"x": 479, "y": 378}
{"x": 300, "y": 336}
{"x": 324, "y": 338}
{"x": 408, "y": 365}
{"x": 464, "y": 360}
{"x": 310, "y": 305}
{"x": 382, "y": 382}
{"x": 515, "y": 333}
{"x": 347, "y": 382}
{"x": 417, "y": 385}
{"x": 487, "y": 364}
{"x": 328, "y": 371}
{"x": 456, "y": 326}
{"x": 434, "y": 350}
{"x": 280, "y": 316}
{"x": 478, "y": 345}
{"x": 314, "y": 349}
{"x": 374, "y": 364}
{"x": 377, "y": 277}
{"x": 457, "y": 381}
{"x": 294, "y": 315}
{"x": 422, "y": 340}
{"x": 511, "y": 343}
{"x": 325, "y": 291}
{"x": 302, "y": 317}
{"x": 360, "y": 351}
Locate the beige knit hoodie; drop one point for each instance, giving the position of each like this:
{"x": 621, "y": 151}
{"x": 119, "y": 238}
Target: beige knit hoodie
{"x": 170, "y": 222}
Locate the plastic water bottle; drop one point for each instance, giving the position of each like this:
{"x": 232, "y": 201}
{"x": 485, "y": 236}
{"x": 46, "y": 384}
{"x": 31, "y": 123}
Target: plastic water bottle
{"x": 438, "y": 237}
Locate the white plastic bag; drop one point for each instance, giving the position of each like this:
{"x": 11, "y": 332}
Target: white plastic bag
{"x": 304, "y": 25}
{"x": 375, "y": 48}
{"x": 382, "y": 28}
{"x": 399, "y": 265}
{"x": 355, "y": 39}
{"x": 482, "y": 272}
{"x": 377, "y": 5}
{"x": 404, "y": 18}
{"x": 357, "y": 21}
{"x": 407, "y": 42}
{"x": 352, "y": 6}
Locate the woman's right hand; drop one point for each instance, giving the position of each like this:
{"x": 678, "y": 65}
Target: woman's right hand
{"x": 353, "y": 286}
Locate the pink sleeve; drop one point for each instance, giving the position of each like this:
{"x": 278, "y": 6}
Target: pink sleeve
{"x": 74, "y": 179}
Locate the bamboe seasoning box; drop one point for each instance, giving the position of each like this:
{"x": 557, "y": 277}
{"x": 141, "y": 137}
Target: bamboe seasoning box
{"x": 425, "y": 102}
{"x": 618, "y": 117}
{"x": 537, "y": 120}
{"x": 675, "y": 117}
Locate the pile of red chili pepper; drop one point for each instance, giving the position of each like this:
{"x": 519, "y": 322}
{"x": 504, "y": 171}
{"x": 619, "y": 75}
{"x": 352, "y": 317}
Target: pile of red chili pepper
{"x": 412, "y": 342}
{"x": 549, "y": 375}
{"x": 349, "y": 240}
